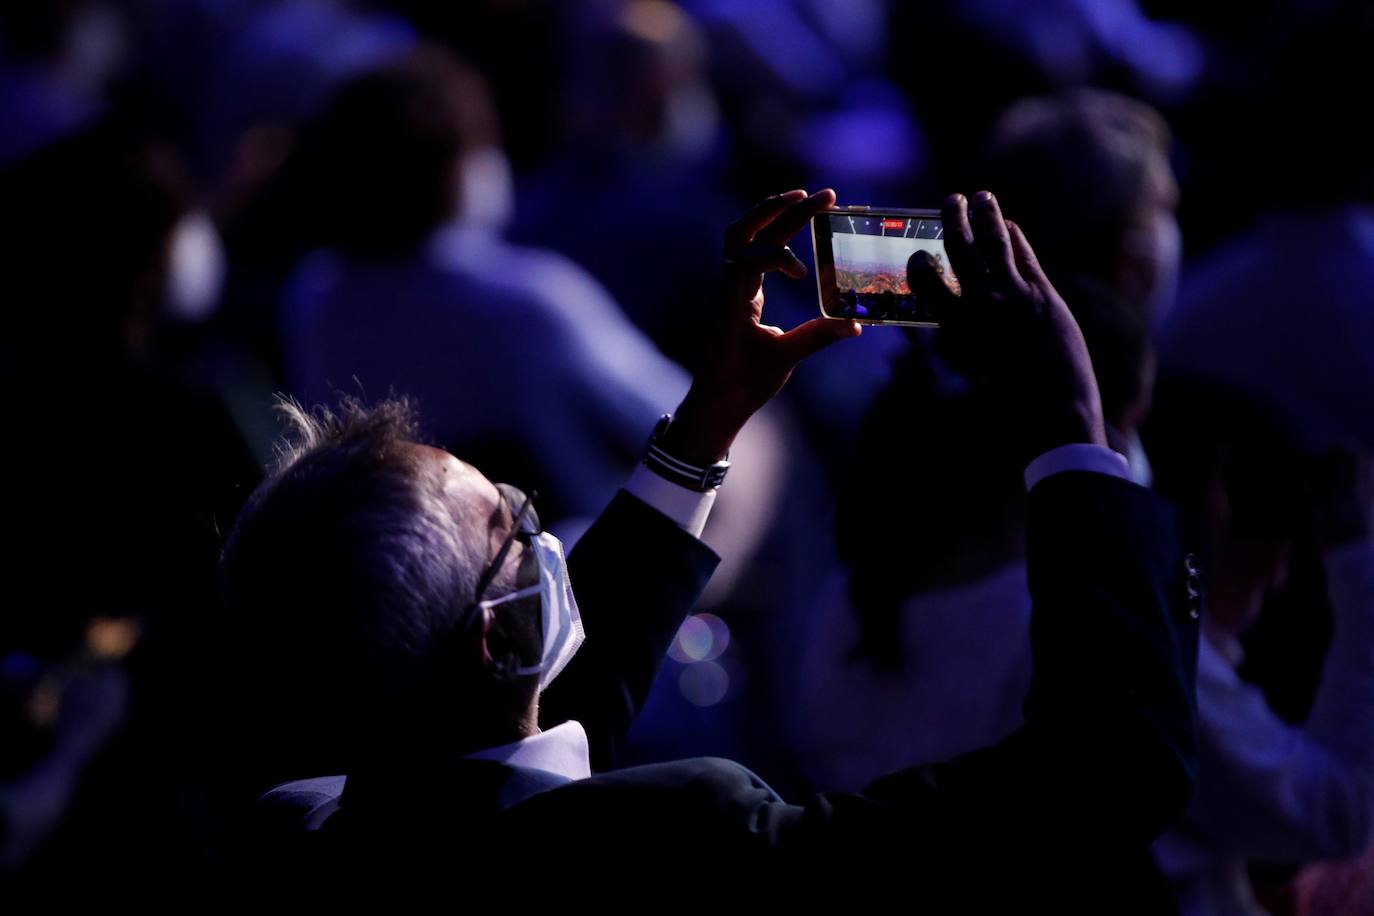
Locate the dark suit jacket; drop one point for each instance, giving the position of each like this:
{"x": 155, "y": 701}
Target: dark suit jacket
{"x": 1064, "y": 809}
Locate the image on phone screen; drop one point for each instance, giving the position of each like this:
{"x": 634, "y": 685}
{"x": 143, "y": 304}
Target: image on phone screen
{"x": 862, "y": 258}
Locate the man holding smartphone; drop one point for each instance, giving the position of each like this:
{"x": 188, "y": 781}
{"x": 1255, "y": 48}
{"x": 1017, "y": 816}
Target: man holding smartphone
{"x": 451, "y": 781}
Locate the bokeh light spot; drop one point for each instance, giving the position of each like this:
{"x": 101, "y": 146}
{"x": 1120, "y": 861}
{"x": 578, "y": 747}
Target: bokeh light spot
{"x": 704, "y": 683}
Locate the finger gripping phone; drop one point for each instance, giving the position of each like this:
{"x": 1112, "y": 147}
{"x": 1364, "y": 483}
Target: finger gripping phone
{"x": 861, "y": 258}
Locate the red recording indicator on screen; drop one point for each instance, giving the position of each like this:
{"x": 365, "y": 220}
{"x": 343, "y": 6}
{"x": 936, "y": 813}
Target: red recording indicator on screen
{"x": 894, "y": 224}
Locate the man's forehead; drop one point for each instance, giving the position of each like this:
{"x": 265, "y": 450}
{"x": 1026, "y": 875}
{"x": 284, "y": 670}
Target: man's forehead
{"x": 440, "y": 458}
{"x": 470, "y": 494}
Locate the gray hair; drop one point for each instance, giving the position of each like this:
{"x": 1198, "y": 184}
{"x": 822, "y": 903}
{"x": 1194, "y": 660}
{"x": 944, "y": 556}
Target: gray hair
{"x": 1072, "y": 168}
{"x": 346, "y": 568}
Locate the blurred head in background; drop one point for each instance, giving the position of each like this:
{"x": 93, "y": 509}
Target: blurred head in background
{"x": 639, "y": 86}
{"x": 1086, "y": 173}
{"x": 404, "y": 149}
{"x": 1239, "y": 462}
{"x": 91, "y": 236}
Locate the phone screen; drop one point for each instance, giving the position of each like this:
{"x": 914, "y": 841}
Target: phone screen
{"x": 861, "y": 256}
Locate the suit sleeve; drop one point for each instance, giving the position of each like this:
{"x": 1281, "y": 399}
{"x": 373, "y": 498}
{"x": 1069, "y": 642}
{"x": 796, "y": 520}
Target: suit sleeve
{"x": 636, "y": 575}
{"x": 1107, "y": 756}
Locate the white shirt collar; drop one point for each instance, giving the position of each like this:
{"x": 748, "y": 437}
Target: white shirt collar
{"x": 561, "y": 750}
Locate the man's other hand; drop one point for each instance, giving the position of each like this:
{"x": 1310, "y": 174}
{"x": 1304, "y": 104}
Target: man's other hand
{"x": 746, "y": 361}
{"x": 1004, "y": 326}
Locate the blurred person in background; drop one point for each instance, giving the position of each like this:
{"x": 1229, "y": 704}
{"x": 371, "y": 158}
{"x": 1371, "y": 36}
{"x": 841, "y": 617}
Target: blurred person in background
{"x": 516, "y": 355}
{"x": 634, "y": 190}
{"x": 921, "y": 651}
{"x": 1117, "y": 246}
{"x": 925, "y": 639}
{"x": 147, "y": 465}
{"x": 239, "y": 83}
{"x": 1303, "y": 338}
{"x": 417, "y": 291}
{"x": 1269, "y": 790}
{"x": 1122, "y": 228}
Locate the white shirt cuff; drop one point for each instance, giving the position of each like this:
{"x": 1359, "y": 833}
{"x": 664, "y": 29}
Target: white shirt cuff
{"x": 1077, "y": 456}
{"x": 687, "y": 508}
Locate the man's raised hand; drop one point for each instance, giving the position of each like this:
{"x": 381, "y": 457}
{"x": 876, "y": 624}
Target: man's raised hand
{"x": 1005, "y": 327}
{"x": 746, "y": 361}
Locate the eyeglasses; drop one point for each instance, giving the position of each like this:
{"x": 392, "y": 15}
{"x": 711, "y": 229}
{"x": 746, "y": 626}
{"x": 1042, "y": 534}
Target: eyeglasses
{"x": 525, "y": 525}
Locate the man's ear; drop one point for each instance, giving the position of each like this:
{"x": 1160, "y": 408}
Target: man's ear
{"x": 496, "y": 650}
{"x": 484, "y": 656}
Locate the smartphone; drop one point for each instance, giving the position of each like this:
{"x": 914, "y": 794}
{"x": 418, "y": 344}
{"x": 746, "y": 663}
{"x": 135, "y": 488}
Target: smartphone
{"x": 861, "y": 255}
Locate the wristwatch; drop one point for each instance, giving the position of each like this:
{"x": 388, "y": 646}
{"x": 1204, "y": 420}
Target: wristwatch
{"x": 682, "y": 473}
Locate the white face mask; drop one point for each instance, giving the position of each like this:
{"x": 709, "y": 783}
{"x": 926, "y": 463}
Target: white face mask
{"x": 195, "y": 269}
{"x": 486, "y": 193}
{"x": 563, "y": 633}
{"x": 691, "y": 123}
